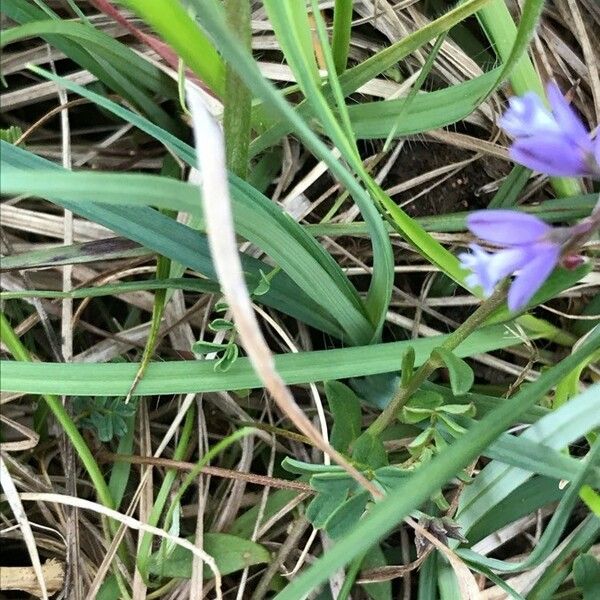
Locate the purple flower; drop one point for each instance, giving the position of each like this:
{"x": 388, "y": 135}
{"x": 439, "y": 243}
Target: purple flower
{"x": 554, "y": 142}
{"x": 530, "y": 249}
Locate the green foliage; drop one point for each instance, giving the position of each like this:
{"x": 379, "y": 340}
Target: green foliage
{"x": 79, "y": 379}
{"x": 461, "y": 374}
{"x": 368, "y": 450}
{"x": 11, "y": 134}
{"x": 231, "y": 554}
{"x": 440, "y": 429}
{"x": 346, "y": 412}
{"x": 108, "y": 418}
{"x": 586, "y": 574}
{"x": 227, "y": 351}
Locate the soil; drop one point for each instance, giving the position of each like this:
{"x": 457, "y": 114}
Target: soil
{"x": 458, "y": 193}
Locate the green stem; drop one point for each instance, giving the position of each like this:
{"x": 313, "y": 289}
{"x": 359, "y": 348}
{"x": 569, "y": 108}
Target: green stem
{"x": 342, "y": 28}
{"x": 238, "y": 100}
{"x": 10, "y": 339}
{"x": 193, "y": 474}
{"x": 350, "y": 578}
{"x": 433, "y": 363}
{"x": 145, "y": 547}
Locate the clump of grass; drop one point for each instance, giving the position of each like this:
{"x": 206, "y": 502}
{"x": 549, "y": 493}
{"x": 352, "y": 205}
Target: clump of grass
{"x": 253, "y": 366}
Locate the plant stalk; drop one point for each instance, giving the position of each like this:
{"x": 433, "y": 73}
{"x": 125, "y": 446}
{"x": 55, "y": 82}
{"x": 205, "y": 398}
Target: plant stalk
{"x": 433, "y": 363}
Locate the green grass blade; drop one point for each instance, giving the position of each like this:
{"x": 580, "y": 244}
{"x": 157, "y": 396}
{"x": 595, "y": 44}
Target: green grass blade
{"x": 182, "y": 33}
{"x": 181, "y": 244}
{"x": 193, "y": 285}
{"x": 583, "y": 538}
{"x": 242, "y": 191}
{"x": 430, "y": 110}
{"x": 116, "y": 65}
{"x": 290, "y": 22}
{"x": 555, "y": 527}
{"x": 418, "y": 487}
{"x": 259, "y": 222}
{"x": 342, "y": 30}
{"x": 199, "y": 376}
{"x": 20, "y": 352}
{"x": 556, "y": 430}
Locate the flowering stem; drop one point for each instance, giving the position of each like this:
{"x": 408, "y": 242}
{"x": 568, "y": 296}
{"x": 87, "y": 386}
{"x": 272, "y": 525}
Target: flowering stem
{"x": 433, "y": 363}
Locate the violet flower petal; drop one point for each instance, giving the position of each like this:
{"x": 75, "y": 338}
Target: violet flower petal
{"x": 533, "y": 275}
{"x": 527, "y": 116}
{"x": 507, "y": 227}
{"x": 488, "y": 269}
{"x": 551, "y": 154}
{"x": 566, "y": 117}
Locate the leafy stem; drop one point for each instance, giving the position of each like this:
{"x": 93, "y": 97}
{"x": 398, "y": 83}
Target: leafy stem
{"x": 435, "y": 362}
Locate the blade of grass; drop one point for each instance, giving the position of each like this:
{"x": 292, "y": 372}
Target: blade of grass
{"x": 554, "y": 529}
{"x": 420, "y": 485}
{"x": 242, "y": 191}
{"x": 199, "y": 376}
{"x": 290, "y": 22}
{"x": 182, "y": 33}
{"x": 20, "y": 352}
{"x": 555, "y": 573}
{"x": 181, "y": 244}
{"x": 189, "y": 284}
{"x": 342, "y": 31}
{"x": 556, "y": 430}
{"x": 259, "y": 222}
{"x": 145, "y": 547}
{"x": 113, "y": 63}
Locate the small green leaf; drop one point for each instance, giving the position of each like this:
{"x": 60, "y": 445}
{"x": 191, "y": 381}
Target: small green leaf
{"x": 369, "y": 450}
{"x": 376, "y": 390}
{"x": 324, "y": 505}
{"x": 221, "y": 306}
{"x": 291, "y": 465}
{"x": 229, "y": 357}
{"x": 265, "y": 283}
{"x": 458, "y": 409}
{"x": 345, "y": 408}
{"x": 391, "y": 476}
{"x": 586, "y": 574}
{"x": 202, "y": 347}
{"x": 461, "y": 374}
{"x": 454, "y": 427}
{"x": 411, "y": 415}
{"x": 421, "y": 440}
{"x": 426, "y": 399}
{"x": 332, "y": 480}
{"x": 103, "y": 425}
{"x": 231, "y": 553}
{"x": 108, "y": 417}
{"x": 344, "y": 518}
{"x": 220, "y": 325}
{"x": 408, "y": 365}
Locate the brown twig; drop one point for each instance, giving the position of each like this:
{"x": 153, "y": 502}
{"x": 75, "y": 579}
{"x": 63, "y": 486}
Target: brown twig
{"x": 104, "y": 456}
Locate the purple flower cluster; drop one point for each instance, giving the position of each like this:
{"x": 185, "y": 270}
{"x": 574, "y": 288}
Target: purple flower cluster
{"x": 556, "y": 143}
{"x": 530, "y": 248}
